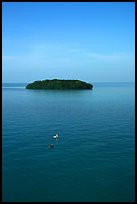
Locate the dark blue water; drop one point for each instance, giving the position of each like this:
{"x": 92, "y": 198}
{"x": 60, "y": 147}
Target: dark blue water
{"x": 93, "y": 159}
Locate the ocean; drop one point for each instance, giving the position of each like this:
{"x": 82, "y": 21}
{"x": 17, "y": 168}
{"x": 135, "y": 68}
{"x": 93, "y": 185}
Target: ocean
{"x": 93, "y": 159}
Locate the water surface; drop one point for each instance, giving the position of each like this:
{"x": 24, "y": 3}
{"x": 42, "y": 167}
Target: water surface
{"x": 93, "y": 159}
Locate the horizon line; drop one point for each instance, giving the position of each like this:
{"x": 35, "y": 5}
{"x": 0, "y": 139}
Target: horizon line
{"x": 91, "y": 82}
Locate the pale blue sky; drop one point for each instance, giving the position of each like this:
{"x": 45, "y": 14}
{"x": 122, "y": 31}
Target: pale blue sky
{"x": 94, "y": 42}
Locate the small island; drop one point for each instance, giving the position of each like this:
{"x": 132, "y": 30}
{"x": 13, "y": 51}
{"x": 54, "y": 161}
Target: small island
{"x": 59, "y": 84}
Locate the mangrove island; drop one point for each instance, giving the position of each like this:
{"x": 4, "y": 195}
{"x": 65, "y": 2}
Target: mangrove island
{"x": 59, "y": 84}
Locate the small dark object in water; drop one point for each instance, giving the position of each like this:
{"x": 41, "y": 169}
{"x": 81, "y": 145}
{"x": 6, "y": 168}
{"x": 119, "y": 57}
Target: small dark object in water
{"x": 51, "y": 146}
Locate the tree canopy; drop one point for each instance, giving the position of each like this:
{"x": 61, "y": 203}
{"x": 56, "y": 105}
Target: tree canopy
{"x": 59, "y": 84}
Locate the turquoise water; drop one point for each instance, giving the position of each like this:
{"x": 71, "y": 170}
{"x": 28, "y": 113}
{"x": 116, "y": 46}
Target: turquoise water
{"x": 94, "y": 157}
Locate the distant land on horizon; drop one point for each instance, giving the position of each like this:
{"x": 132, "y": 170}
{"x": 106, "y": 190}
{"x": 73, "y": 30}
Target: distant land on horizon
{"x": 59, "y": 84}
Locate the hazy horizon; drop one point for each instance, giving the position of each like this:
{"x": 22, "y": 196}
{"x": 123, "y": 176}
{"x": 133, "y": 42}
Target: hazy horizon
{"x": 72, "y": 79}
{"x": 89, "y": 41}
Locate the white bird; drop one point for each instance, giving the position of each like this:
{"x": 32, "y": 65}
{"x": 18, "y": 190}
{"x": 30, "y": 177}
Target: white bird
{"x": 55, "y": 136}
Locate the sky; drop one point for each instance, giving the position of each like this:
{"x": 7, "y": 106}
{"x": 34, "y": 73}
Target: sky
{"x": 91, "y": 41}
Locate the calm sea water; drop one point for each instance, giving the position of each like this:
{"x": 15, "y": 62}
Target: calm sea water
{"x": 94, "y": 157}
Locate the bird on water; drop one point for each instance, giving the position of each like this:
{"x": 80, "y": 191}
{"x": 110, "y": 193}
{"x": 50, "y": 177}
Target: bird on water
{"x": 55, "y": 136}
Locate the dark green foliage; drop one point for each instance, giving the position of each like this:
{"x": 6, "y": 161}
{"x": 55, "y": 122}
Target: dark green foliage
{"x": 59, "y": 84}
